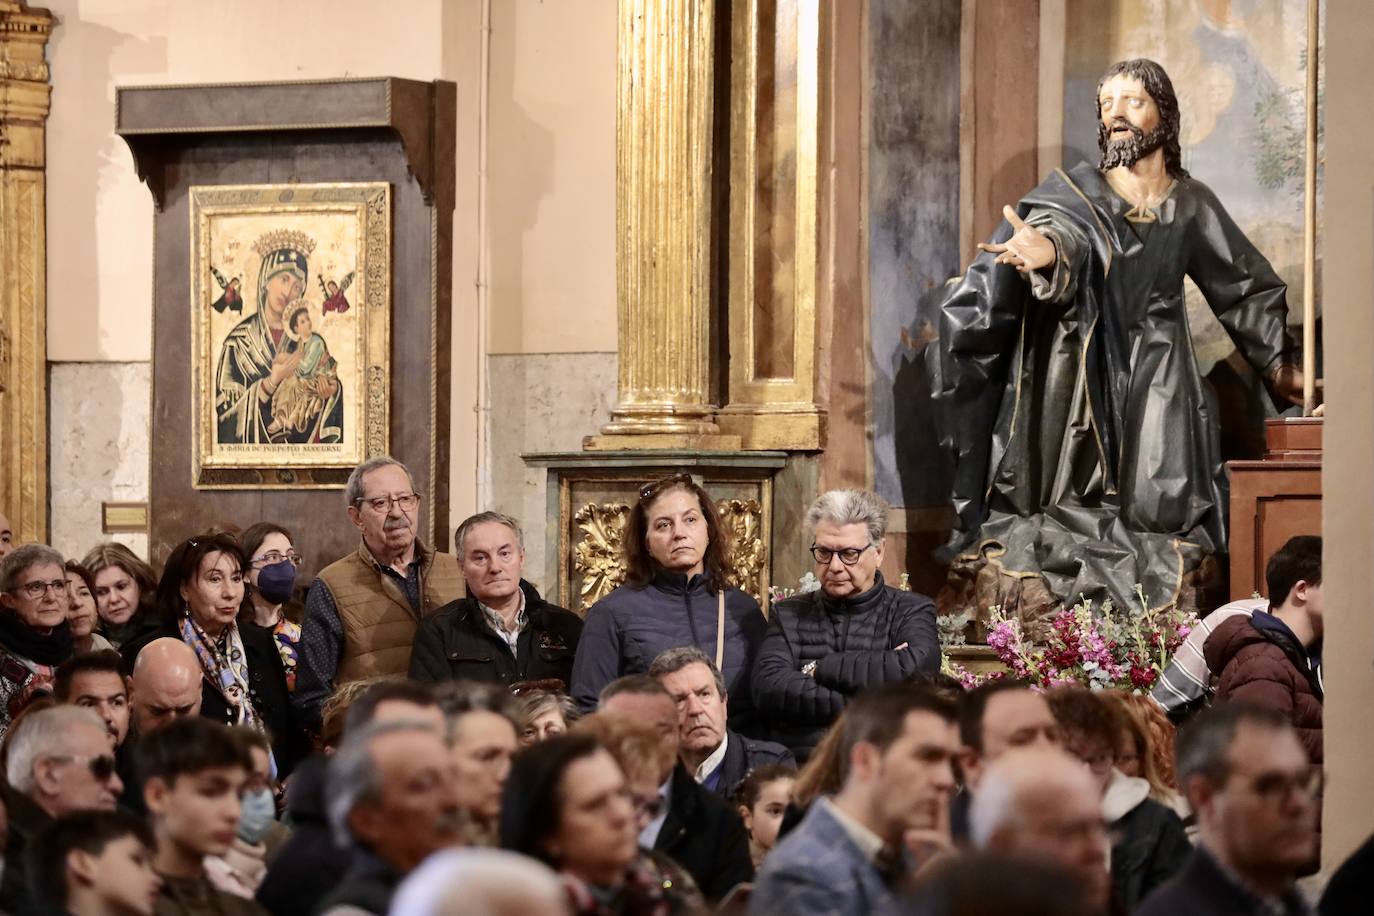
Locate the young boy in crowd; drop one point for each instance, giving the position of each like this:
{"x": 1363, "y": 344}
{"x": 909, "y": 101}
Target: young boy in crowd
{"x": 94, "y": 863}
{"x": 194, "y": 772}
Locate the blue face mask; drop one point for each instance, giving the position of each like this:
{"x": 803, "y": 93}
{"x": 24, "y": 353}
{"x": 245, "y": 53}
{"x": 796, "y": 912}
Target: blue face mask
{"x": 258, "y": 814}
{"x": 277, "y": 581}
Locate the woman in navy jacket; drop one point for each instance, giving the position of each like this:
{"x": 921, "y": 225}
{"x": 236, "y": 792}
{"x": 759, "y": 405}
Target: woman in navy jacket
{"x": 674, "y": 595}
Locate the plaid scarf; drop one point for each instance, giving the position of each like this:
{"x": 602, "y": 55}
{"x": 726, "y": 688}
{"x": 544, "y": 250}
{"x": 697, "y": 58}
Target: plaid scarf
{"x": 225, "y": 665}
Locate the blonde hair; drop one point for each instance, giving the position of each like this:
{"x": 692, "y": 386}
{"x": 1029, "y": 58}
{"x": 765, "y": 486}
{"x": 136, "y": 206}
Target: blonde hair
{"x": 823, "y": 772}
{"x": 1153, "y": 735}
{"x": 636, "y": 746}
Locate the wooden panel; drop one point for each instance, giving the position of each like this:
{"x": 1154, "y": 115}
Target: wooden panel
{"x": 1271, "y": 501}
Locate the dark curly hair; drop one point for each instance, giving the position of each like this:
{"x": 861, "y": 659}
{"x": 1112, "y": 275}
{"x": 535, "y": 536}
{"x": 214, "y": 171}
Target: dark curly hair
{"x": 1157, "y": 84}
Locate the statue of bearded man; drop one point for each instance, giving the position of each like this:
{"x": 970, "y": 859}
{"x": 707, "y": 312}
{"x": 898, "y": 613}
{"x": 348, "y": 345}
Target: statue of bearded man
{"x": 1085, "y": 438}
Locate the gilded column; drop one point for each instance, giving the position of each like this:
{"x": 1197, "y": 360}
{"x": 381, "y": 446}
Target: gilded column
{"x": 24, "y": 102}
{"x": 663, "y": 228}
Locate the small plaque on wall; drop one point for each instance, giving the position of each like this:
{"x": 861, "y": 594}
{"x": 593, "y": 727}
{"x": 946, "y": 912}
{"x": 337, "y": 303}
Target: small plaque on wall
{"x": 124, "y": 518}
{"x": 290, "y": 320}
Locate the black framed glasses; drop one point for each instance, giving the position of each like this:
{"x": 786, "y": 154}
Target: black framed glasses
{"x": 37, "y": 589}
{"x": 650, "y": 490}
{"x": 848, "y": 555}
{"x": 102, "y": 766}
{"x": 380, "y": 504}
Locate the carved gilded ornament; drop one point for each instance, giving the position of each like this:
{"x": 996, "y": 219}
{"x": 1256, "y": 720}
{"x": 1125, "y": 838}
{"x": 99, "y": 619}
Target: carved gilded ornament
{"x": 598, "y": 556}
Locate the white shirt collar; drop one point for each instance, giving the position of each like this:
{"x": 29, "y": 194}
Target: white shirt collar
{"x": 869, "y": 843}
{"x": 708, "y": 766}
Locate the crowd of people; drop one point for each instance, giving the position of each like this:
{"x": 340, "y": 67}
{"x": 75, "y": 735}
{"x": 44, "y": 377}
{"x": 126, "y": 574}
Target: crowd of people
{"x": 424, "y": 733}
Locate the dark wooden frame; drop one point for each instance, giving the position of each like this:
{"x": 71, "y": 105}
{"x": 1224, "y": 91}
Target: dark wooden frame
{"x": 381, "y": 129}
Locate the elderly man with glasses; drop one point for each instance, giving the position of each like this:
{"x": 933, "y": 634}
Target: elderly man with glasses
{"x": 853, "y": 633}
{"x": 59, "y": 760}
{"x": 362, "y": 611}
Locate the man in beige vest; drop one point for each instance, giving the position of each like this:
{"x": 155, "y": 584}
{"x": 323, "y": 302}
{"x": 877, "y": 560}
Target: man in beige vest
{"x": 362, "y": 611}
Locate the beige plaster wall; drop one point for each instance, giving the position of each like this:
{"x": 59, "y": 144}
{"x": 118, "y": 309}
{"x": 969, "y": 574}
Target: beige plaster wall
{"x": 533, "y": 262}
{"x": 551, "y": 178}
{"x": 1347, "y": 472}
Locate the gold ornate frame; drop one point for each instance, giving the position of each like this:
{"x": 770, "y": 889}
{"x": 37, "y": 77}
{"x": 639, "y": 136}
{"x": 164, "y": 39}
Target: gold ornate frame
{"x": 273, "y": 468}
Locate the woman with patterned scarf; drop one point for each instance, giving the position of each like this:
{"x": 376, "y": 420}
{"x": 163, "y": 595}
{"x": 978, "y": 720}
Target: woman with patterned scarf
{"x": 198, "y": 601}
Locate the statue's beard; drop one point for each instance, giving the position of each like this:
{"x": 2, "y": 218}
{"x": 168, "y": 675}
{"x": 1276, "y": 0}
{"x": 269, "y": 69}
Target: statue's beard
{"x": 1128, "y": 150}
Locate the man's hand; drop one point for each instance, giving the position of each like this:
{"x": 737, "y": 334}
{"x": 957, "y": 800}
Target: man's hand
{"x": 1287, "y": 383}
{"x": 1027, "y": 249}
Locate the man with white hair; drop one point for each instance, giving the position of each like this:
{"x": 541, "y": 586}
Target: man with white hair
{"x": 1041, "y": 804}
{"x": 481, "y": 882}
{"x": 853, "y": 633}
{"x": 59, "y": 761}
{"x": 362, "y": 611}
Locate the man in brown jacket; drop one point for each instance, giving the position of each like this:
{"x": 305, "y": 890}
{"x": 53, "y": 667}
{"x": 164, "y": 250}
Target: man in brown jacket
{"x": 362, "y": 611}
{"x": 1273, "y": 659}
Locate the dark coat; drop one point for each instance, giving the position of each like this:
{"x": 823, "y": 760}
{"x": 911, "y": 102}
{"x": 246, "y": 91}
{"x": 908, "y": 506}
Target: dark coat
{"x": 266, "y": 689}
{"x": 704, "y": 835}
{"x": 743, "y": 756}
{"x": 1151, "y": 847}
{"x": 628, "y": 628}
{"x": 1349, "y": 891}
{"x": 309, "y": 864}
{"x": 457, "y": 642}
{"x": 26, "y": 818}
{"x": 1203, "y": 889}
{"x": 853, "y": 642}
{"x": 1259, "y": 661}
{"x": 369, "y": 886}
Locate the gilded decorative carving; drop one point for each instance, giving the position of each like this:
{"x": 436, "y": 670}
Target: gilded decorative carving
{"x": 597, "y": 556}
{"x": 743, "y": 518}
{"x": 599, "y": 529}
{"x": 24, "y": 107}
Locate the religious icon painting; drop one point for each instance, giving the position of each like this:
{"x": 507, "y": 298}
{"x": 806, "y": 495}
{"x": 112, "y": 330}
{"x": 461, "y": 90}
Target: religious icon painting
{"x": 290, "y": 332}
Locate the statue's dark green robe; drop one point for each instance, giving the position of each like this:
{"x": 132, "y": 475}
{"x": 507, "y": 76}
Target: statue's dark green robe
{"x": 1084, "y": 436}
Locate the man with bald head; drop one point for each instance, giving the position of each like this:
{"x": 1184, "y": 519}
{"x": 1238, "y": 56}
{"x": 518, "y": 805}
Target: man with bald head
{"x": 165, "y": 686}
{"x": 1042, "y": 804}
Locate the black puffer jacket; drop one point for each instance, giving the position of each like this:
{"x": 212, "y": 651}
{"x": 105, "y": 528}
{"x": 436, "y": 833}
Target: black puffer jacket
{"x": 628, "y": 628}
{"x": 854, "y": 642}
{"x": 457, "y": 642}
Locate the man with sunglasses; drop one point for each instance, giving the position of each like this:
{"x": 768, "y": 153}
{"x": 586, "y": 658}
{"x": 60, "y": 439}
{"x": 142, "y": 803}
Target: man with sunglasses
{"x": 59, "y": 761}
{"x": 853, "y": 633}
{"x": 362, "y": 612}
{"x": 1246, "y": 775}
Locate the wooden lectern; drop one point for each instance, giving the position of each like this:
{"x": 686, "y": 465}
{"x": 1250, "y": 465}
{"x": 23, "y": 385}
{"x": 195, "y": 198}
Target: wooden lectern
{"x": 1274, "y": 499}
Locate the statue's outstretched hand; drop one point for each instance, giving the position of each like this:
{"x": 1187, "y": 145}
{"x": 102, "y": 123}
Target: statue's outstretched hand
{"x": 1027, "y": 249}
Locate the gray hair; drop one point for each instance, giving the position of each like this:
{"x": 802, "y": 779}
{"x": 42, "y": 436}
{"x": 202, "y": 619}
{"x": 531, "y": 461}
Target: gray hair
{"x": 22, "y": 558}
{"x": 43, "y": 734}
{"x": 458, "y": 698}
{"x": 1204, "y": 744}
{"x": 353, "y": 778}
{"x": 671, "y": 661}
{"x": 1012, "y": 778}
{"x": 482, "y": 518}
{"x": 480, "y": 882}
{"x": 850, "y": 507}
{"x": 353, "y": 490}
